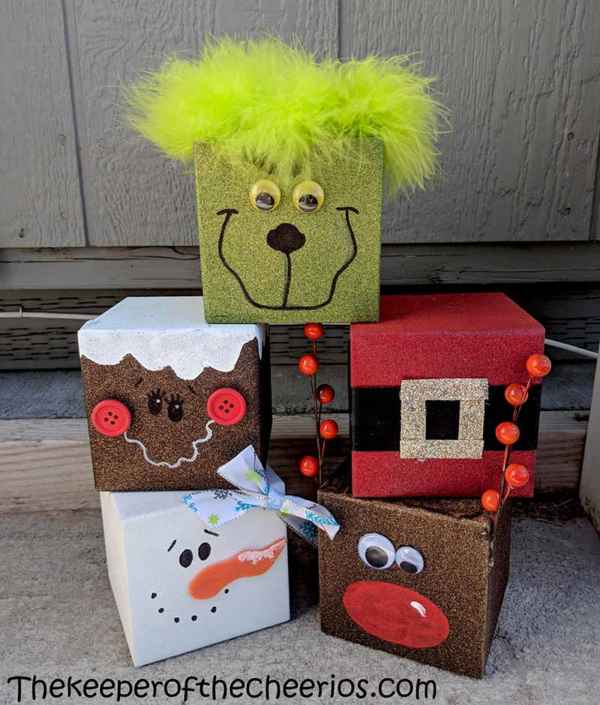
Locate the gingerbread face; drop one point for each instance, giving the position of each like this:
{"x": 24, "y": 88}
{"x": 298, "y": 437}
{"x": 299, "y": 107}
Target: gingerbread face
{"x": 170, "y": 400}
{"x": 421, "y": 580}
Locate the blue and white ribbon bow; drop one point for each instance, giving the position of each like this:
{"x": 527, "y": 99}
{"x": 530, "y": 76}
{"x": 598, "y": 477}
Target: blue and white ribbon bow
{"x": 262, "y": 488}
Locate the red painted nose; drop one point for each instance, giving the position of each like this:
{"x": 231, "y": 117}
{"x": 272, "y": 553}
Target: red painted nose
{"x": 110, "y": 417}
{"x": 396, "y": 614}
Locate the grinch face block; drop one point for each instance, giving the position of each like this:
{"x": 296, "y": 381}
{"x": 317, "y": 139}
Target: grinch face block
{"x": 180, "y": 585}
{"x": 287, "y": 253}
{"x": 423, "y": 579}
{"x": 171, "y": 398}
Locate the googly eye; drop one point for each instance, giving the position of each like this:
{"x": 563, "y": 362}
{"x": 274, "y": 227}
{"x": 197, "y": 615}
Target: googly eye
{"x": 410, "y": 560}
{"x": 376, "y": 551}
{"x": 265, "y": 195}
{"x": 308, "y": 196}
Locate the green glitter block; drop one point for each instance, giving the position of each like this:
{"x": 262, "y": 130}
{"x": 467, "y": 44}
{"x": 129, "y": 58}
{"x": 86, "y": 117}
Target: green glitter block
{"x": 285, "y": 265}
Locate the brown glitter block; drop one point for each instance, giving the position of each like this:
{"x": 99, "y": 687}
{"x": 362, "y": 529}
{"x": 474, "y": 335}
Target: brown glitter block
{"x": 423, "y": 579}
{"x": 283, "y": 265}
{"x": 169, "y": 397}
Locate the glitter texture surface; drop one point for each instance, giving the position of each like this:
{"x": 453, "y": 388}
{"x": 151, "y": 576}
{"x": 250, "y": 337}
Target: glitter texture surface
{"x": 246, "y": 279}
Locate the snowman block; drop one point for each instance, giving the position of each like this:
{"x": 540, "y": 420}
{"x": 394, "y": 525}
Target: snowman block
{"x": 428, "y": 383}
{"x": 171, "y": 398}
{"x": 422, "y": 579}
{"x": 180, "y": 585}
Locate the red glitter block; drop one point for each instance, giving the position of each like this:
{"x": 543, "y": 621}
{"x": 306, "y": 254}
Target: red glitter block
{"x": 428, "y": 385}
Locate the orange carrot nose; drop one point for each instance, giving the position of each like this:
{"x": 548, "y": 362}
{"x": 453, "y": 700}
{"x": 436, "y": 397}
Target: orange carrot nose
{"x": 245, "y": 564}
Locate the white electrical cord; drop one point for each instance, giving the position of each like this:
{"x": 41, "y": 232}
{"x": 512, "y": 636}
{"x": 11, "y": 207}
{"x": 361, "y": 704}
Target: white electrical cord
{"x": 571, "y": 348}
{"x": 46, "y": 314}
{"x": 87, "y": 317}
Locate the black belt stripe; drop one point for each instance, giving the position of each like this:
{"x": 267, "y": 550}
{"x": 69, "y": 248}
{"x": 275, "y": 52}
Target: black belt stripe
{"x": 376, "y": 413}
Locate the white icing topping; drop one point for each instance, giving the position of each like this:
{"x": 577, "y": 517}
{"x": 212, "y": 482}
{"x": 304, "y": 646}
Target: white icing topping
{"x": 166, "y": 331}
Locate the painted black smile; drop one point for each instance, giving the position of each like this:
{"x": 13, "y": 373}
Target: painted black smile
{"x": 287, "y": 239}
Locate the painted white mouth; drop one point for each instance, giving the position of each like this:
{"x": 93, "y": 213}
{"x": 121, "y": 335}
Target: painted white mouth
{"x": 173, "y": 466}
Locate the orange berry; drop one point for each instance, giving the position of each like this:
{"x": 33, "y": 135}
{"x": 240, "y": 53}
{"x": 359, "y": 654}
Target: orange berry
{"x": 507, "y": 433}
{"x": 313, "y": 331}
{"x": 516, "y": 394}
{"x": 309, "y": 466}
{"x": 308, "y": 365}
{"x": 538, "y": 365}
{"x": 325, "y": 394}
{"x": 328, "y": 429}
{"x": 516, "y": 475}
{"x": 490, "y": 500}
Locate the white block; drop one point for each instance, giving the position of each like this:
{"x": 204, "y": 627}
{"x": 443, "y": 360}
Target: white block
{"x": 169, "y": 605}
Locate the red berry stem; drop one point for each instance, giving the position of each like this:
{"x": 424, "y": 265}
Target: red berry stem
{"x": 538, "y": 366}
{"x": 508, "y": 448}
{"x": 313, "y": 383}
{"x": 308, "y": 365}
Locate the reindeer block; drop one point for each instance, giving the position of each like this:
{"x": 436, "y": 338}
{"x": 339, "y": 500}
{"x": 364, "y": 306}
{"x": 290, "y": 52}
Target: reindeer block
{"x": 180, "y": 584}
{"x": 171, "y": 398}
{"x": 429, "y": 384}
{"x": 422, "y": 579}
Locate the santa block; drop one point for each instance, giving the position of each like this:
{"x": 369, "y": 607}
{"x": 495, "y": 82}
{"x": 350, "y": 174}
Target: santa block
{"x": 422, "y": 579}
{"x": 428, "y": 391}
{"x": 171, "y": 398}
{"x": 180, "y": 585}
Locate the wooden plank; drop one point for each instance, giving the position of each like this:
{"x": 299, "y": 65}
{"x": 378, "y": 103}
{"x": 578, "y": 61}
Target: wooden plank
{"x": 401, "y": 265}
{"x": 40, "y": 201}
{"x": 133, "y": 194}
{"x": 589, "y": 490}
{"x": 45, "y": 464}
{"x": 521, "y": 82}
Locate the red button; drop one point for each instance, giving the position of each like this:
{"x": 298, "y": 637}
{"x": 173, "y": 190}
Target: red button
{"x": 110, "y": 417}
{"x": 226, "y": 406}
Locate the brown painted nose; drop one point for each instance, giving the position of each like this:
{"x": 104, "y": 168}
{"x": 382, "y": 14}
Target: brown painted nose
{"x": 286, "y": 238}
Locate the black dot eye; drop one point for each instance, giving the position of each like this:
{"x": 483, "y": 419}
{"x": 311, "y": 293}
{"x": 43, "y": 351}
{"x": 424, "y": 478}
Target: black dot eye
{"x": 155, "y": 402}
{"x": 175, "y": 410}
{"x": 376, "y": 551}
{"x": 203, "y": 551}
{"x": 410, "y": 560}
{"x": 185, "y": 558}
